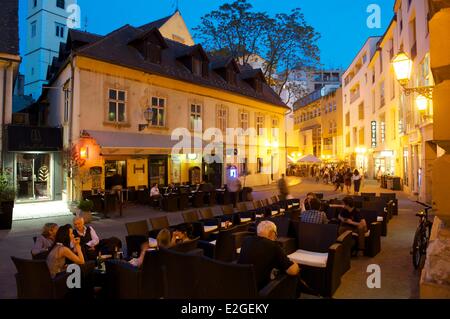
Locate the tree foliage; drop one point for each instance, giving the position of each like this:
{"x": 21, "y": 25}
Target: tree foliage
{"x": 284, "y": 41}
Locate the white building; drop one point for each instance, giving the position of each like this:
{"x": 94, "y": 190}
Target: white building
{"x": 357, "y": 95}
{"x": 46, "y": 29}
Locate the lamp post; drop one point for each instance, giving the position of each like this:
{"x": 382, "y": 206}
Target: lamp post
{"x": 148, "y": 116}
{"x": 402, "y": 67}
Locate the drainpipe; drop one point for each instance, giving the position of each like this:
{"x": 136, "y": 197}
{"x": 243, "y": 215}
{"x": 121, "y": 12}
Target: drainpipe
{"x": 5, "y": 74}
{"x": 71, "y": 116}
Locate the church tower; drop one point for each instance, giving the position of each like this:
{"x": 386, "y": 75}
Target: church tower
{"x": 47, "y": 26}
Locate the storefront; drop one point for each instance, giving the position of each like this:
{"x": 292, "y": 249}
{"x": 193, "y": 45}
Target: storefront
{"x": 384, "y": 161}
{"x": 34, "y": 155}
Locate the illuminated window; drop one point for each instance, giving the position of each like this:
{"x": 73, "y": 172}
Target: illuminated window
{"x": 159, "y": 112}
{"x": 222, "y": 118}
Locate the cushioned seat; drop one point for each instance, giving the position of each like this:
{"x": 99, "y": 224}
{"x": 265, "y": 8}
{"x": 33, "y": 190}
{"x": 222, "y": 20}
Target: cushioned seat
{"x": 282, "y": 210}
{"x": 152, "y": 242}
{"x": 380, "y": 218}
{"x": 246, "y": 220}
{"x": 367, "y": 234}
{"x": 212, "y": 242}
{"x": 259, "y": 216}
{"x": 274, "y": 212}
{"x": 208, "y": 229}
{"x": 238, "y": 250}
{"x": 223, "y": 224}
{"x": 309, "y": 258}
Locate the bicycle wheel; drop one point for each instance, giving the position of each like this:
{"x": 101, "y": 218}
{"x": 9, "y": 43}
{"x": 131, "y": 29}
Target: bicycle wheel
{"x": 417, "y": 248}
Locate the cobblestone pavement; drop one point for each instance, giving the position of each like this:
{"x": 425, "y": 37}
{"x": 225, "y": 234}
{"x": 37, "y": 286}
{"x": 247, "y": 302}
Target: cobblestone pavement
{"x": 398, "y": 278}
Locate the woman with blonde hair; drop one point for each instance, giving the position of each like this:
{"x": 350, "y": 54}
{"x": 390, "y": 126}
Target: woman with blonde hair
{"x": 45, "y": 241}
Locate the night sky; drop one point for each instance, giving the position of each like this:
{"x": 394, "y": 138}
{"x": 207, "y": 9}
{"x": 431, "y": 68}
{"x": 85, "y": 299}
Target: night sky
{"x": 341, "y": 23}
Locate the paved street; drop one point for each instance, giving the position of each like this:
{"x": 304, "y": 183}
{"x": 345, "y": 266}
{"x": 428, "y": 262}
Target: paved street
{"x": 399, "y": 280}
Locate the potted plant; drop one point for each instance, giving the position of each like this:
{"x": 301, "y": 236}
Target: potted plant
{"x": 7, "y": 197}
{"x": 85, "y": 206}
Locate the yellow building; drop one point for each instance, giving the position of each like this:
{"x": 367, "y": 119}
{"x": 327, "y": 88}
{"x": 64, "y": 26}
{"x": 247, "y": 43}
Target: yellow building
{"x": 318, "y": 121}
{"x": 128, "y": 98}
{"x": 437, "y": 268}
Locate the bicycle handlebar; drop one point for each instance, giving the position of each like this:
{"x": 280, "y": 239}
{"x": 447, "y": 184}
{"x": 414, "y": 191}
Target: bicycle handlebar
{"x": 424, "y": 205}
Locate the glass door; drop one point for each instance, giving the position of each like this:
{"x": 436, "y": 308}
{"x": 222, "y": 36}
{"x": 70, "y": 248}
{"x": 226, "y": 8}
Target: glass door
{"x": 33, "y": 177}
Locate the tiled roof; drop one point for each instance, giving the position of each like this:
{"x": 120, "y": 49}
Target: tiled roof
{"x": 9, "y": 27}
{"x": 115, "y": 48}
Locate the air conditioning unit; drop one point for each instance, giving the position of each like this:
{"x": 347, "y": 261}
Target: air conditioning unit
{"x": 21, "y": 119}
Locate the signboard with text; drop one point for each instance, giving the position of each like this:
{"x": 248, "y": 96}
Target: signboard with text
{"x": 373, "y": 125}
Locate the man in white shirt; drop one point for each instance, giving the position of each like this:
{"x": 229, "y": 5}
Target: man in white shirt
{"x": 88, "y": 238}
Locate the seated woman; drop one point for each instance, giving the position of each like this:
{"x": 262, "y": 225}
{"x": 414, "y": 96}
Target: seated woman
{"x": 61, "y": 251}
{"x": 164, "y": 239}
{"x": 45, "y": 241}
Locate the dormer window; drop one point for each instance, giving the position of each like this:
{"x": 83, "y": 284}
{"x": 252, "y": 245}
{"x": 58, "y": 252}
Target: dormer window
{"x": 152, "y": 52}
{"x": 254, "y": 78}
{"x": 150, "y": 45}
{"x": 195, "y": 59}
{"x": 197, "y": 66}
{"x": 231, "y": 77}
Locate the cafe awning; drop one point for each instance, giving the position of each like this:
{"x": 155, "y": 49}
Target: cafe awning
{"x": 309, "y": 159}
{"x": 115, "y": 143}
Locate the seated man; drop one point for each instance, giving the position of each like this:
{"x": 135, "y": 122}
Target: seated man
{"x": 88, "y": 238}
{"x": 266, "y": 254}
{"x": 351, "y": 219}
{"x": 305, "y": 204}
{"x": 313, "y": 215}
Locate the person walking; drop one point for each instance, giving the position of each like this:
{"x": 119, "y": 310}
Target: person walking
{"x": 356, "y": 178}
{"x": 348, "y": 180}
{"x": 283, "y": 188}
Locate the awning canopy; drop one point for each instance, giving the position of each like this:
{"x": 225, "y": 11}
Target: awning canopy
{"x": 136, "y": 143}
{"x": 309, "y": 159}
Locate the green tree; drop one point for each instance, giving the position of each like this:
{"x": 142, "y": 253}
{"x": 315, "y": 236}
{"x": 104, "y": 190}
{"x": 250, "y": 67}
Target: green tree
{"x": 284, "y": 41}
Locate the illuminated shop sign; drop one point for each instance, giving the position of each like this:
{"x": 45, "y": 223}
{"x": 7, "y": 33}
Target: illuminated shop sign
{"x": 374, "y": 133}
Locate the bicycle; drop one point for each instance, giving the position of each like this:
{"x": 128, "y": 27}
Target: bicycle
{"x": 421, "y": 237}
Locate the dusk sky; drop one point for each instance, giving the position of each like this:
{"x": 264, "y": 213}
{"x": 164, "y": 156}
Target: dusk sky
{"x": 341, "y": 23}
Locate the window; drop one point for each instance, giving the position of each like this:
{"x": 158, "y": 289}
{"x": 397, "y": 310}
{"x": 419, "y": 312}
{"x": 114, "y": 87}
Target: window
{"x": 364, "y": 59}
{"x": 361, "y": 136}
{"x": 259, "y": 165}
{"x": 66, "y": 102}
{"x": 275, "y": 127}
{"x": 33, "y": 29}
{"x": 195, "y": 116}
{"x": 231, "y": 78}
{"x": 222, "y": 117}
{"x": 373, "y": 102}
{"x": 158, "y": 108}
{"x": 260, "y": 124}
{"x": 60, "y": 4}
{"x": 116, "y": 110}
{"x": 347, "y": 139}
{"x": 244, "y": 120}
{"x": 34, "y": 3}
{"x": 59, "y": 30}
{"x": 381, "y": 61}
{"x": 335, "y": 127}
{"x": 347, "y": 119}
{"x": 330, "y": 127}
{"x": 365, "y": 77}
{"x": 393, "y": 86}
{"x": 196, "y": 66}
{"x": 334, "y": 106}
{"x": 355, "y": 136}
{"x": 304, "y": 139}
{"x": 382, "y": 101}
{"x": 361, "y": 111}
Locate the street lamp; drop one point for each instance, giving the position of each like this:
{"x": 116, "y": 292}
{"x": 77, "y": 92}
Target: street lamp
{"x": 148, "y": 116}
{"x": 402, "y": 67}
